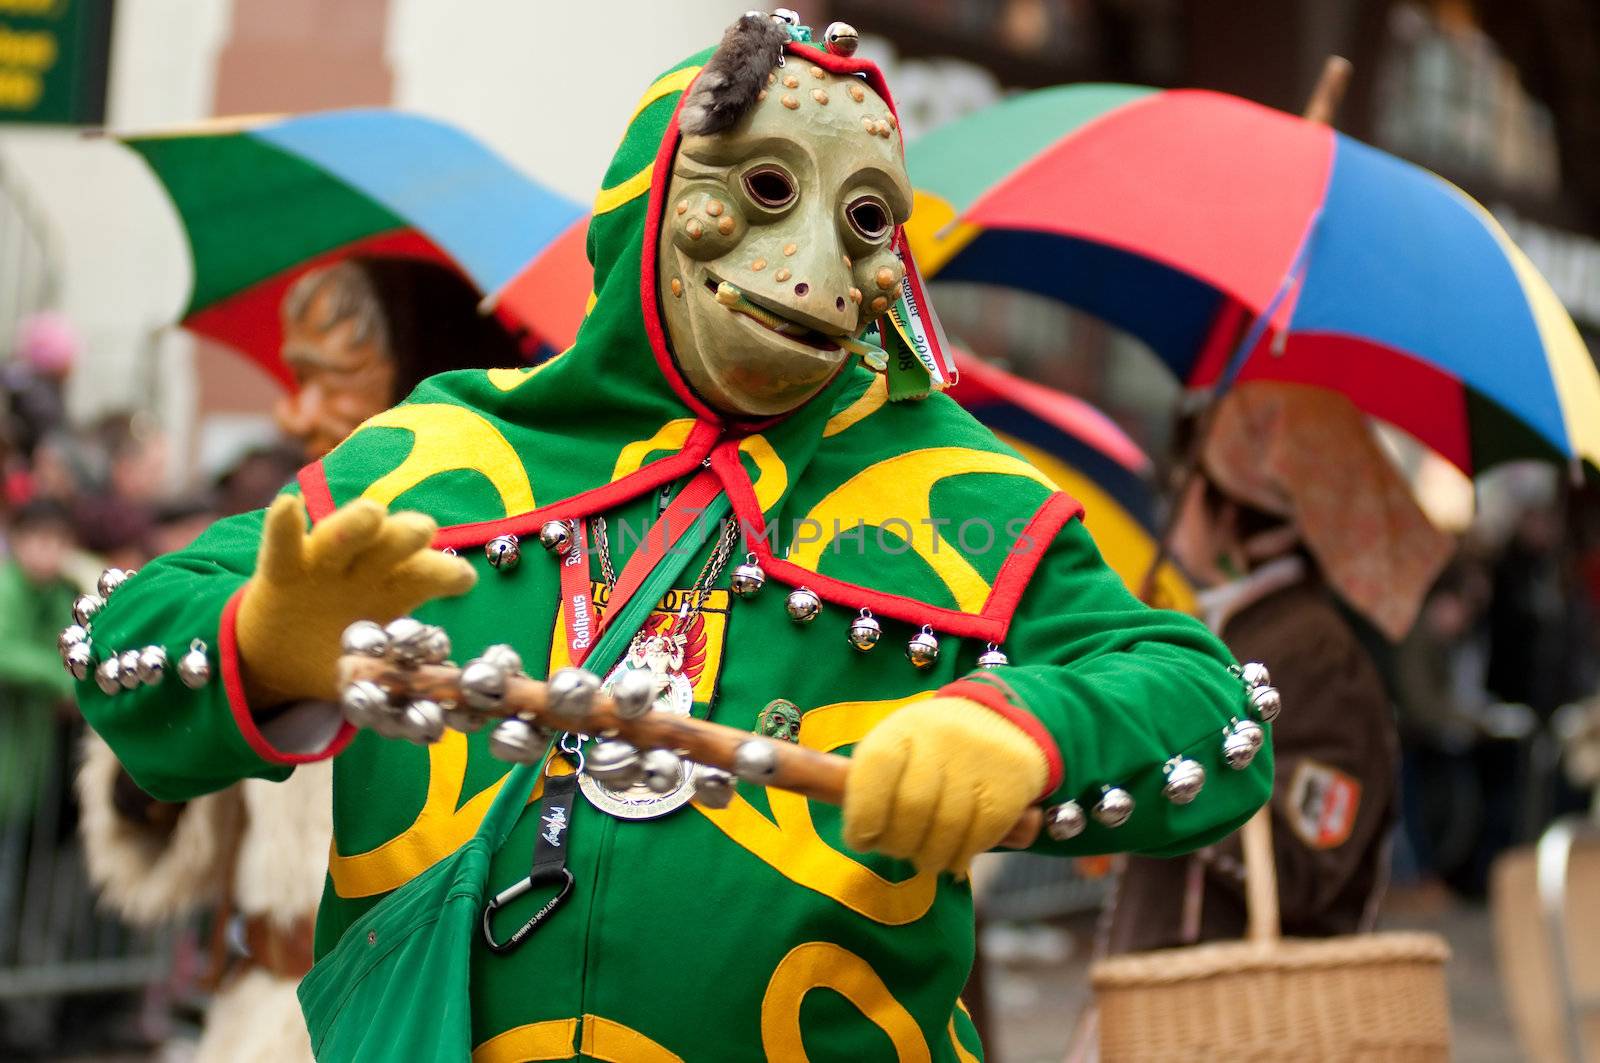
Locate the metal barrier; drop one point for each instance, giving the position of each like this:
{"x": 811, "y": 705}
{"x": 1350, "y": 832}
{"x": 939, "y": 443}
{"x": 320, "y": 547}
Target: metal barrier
{"x": 1580, "y": 1002}
{"x": 54, "y": 942}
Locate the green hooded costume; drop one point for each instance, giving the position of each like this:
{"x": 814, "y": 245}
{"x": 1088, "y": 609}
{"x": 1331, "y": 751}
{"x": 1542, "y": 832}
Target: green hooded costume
{"x": 709, "y": 934}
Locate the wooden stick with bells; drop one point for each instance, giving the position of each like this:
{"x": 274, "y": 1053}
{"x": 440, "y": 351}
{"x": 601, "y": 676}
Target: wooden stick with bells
{"x": 395, "y": 681}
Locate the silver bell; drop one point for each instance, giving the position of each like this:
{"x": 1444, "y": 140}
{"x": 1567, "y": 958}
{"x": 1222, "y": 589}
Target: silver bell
{"x": 423, "y": 721}
{"x": 412, "y": 642}
{"x": 803, "y": 605}
{"x": 77, "y": 659}
{"x": 1065, "y": 821}
{"x": 503, "y": 657}
{"x": 841, "y": 38}
{"x": 787, "y": 16}
{"x": 923, "y": 649}
{"x": 661, "y": 771}
{"x": 518, "y": 741}
{"x": 70, "y": 636}
{"x": 194, "y": 667}
{"x": 748, "y": 578}
{"x": 108, "y": 676}
{"x": 365, "y": 704}
{"x": 556, "y": 536}
{"x": 365, "y": 638}
{"x": 865, "y": 631}
{"x": 993, "y": 657}
{"x": 152, "y": 665}
{"x": 1241, "y": 743}
{"x": 1114, "y": 807}
{"x": 1185, "y": 777}
{"x": 633, "y": 692}
{"x": 1267, "y": 702}
{"x": 110, "y": 580}
{"x": 483, "y": 685}
{"x": 1254, "y": 674}
{"x": 756, "y": 760}
{"x": 570, "y": 693}
{"x": 503, "y": 552}
{"x": 435, "y": 645}
{"x": 128, "y": 669}
{"x": 713, "y": 787}
{"x": 614, "y": 764}
{"x": 85, "y": 606}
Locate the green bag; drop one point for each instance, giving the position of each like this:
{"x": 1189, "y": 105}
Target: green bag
{"x": 396, "y": 987}
{"x": 368, "y": 999}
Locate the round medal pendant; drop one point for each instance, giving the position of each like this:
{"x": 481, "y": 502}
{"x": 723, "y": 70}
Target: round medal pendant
{"x": 675, "y": 694}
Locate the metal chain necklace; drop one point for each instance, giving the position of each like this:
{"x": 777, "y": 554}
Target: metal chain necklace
{"x": 662, "y": 653}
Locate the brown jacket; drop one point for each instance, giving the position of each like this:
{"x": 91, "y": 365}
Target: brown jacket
{"x": 1332, "y": 806}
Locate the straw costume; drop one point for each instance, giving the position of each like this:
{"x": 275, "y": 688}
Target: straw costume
{"x": 746, "y": 237}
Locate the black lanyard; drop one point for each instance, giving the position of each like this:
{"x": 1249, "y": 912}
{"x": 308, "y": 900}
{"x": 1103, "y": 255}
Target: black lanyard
{"x": 549, "y": 859}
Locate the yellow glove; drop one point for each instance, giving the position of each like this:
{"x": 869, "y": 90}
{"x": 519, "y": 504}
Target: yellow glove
{"x": 357, "y": 564}
{"x": 939, "y": 782}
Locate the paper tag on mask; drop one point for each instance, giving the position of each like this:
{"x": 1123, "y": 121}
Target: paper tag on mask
{"x": 915, "y": 332}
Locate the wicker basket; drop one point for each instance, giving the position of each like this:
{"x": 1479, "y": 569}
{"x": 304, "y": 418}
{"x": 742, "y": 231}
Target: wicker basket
{"x": 1360, "y": 997}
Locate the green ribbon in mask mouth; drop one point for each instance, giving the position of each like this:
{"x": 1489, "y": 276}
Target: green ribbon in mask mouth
{"x": 737, "y": 301}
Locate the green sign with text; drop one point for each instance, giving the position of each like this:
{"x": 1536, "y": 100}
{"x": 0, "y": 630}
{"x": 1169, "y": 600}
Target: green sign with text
{"x": 53, "y": 59}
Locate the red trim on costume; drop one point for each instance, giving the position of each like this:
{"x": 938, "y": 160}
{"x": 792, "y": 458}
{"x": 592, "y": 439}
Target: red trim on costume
{"x": 314, "y": 490}
{"x": 587, "y": 503}
{"x": 233, "y": 685}
{"x": 995, "y": 694}
{"x": 990, "y": 623}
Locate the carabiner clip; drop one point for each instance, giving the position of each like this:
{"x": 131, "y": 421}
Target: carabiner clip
{"x": 517, "y": 889}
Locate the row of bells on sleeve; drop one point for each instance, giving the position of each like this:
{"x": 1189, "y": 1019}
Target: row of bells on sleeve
{"x": 803, "y": 604}
{"x": 130, "y": 668}
{"x": 1242, "y": 739}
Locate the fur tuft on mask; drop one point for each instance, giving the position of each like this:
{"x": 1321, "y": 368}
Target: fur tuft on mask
{"x": 734, "y": 74}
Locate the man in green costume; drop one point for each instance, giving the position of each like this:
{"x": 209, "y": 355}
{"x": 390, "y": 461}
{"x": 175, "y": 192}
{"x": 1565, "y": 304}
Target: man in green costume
{"x": 747, "y": 236}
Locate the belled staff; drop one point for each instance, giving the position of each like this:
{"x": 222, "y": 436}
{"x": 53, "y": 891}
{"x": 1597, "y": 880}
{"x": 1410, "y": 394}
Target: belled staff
{"x": 394, "y": 681}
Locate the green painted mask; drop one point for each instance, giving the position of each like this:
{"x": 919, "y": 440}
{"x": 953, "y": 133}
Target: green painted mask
{"x": 776, "y": 242}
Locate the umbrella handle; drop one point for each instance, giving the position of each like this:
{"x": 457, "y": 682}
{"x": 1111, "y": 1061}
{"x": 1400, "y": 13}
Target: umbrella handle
{"x": 809, "y": 772}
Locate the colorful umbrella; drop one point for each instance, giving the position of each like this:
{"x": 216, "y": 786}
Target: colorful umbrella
{"x": 1088, "y": 457}
{"x": 1184, "y": 216}
{"x": 262, "y": 200}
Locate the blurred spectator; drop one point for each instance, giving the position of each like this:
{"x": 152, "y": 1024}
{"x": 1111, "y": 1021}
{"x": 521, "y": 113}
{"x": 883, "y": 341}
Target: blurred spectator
{"x": 114, "y": 515}
{"x": 1532, "y": 637}
{"x": 176, "y": 522}
{"x": 32, "y": 381}
{"x": 1296, "y": 510}
{"x": 361, "y": 334}
{"x": 256, "y": 478}
{"x": 34, "y": 597}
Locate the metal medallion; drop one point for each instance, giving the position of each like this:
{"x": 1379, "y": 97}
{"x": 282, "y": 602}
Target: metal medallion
{"x": 662, "y": 655}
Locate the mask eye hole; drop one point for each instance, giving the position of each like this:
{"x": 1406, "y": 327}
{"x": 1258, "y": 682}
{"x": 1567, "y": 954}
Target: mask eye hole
{"x": 770, "y": 187}
{"x": 869, "y": 218}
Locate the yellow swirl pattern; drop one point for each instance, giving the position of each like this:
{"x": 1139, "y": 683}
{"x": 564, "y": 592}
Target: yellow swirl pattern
{"x": 439, "y": 829}
{"x": 670, "y": 436}
{"x": 772, "y": 475}
{"x": 899, "y": 490}
{"x": 866, "y": 404}
{"x": 511, "y": 379}
{"x": 609, "y": 199}
{"x": 790, "y": 844}
{"x": 824, "y": 965}
{"x": 553, "y": 1039}
{"x": 603, "y": 1039}
{"x": 448, "y": 438}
